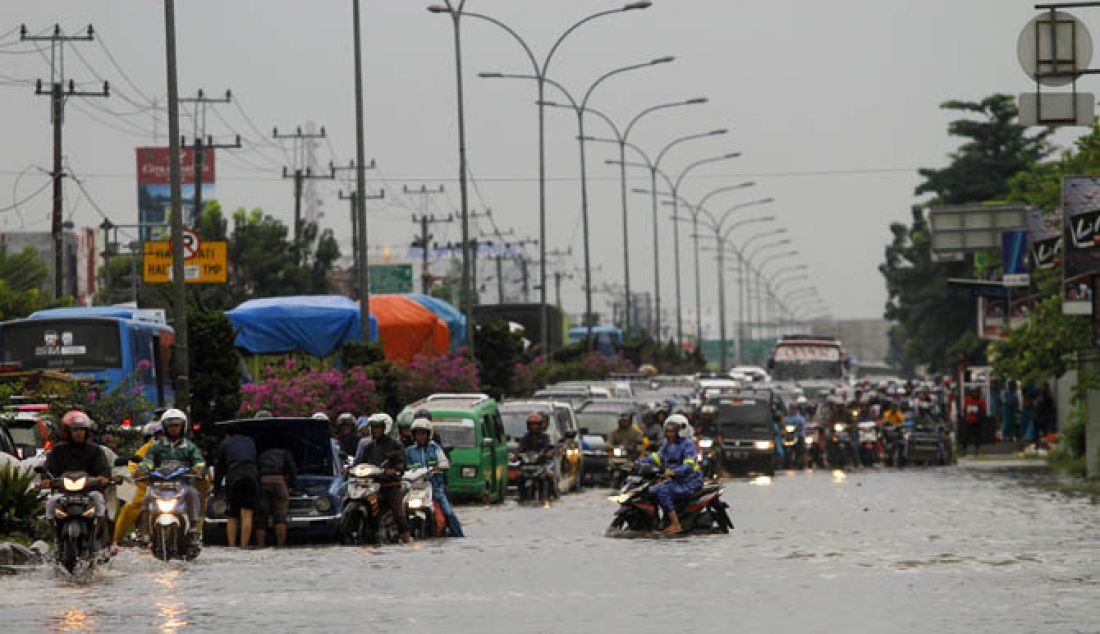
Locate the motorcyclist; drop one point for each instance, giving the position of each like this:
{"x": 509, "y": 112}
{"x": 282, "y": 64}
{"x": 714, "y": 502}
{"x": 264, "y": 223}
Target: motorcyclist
{"x": 626, "y": 435}
{"x": 131, "y": 511}
{"x": 77, "y": 452}
{"x": 405, "y": 434}
{"x": 346, "y": 437}
{"x": 683, "y": 477}
{"x": 795, "y": 417}
{"x": 426, "y": 453}
{"x": 538, "y": 441}
{"x": 382, "y": 450}
{"x": 320, "y": 416}
{"x": 656, "y": 424}
{"x": 175, "y": 447}
{"x": 893, "y": 414}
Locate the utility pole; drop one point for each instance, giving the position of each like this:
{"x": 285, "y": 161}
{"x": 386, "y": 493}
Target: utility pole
{"x": 425, "y": 219}
{"x": 58, "y": 95}
{"x": 558, "y": 277}
{"x": 353, "y": 198}
{"x": 423, "y": 242}
{"x": 300, "y": 176}
{"x": 201, "y": 101}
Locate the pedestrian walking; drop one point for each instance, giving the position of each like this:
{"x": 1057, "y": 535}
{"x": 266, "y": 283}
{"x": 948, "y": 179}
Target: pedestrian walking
{"x": 1046, "y": 413}
{"x": 974, "y": 412}
{"x": 1027, "y": 411}
{"x": 235, "y": 473}
{"x": 278, "y": 475}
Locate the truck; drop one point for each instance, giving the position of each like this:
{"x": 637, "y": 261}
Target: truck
{"x": 812, "y": 364}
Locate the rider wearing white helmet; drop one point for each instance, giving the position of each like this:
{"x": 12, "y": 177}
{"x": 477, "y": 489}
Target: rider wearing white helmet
{"x": 175, "y": 447}
{"x": 424, "y": 453}
{"x": 679, "y": 458}
{"x": 382, "y": 450}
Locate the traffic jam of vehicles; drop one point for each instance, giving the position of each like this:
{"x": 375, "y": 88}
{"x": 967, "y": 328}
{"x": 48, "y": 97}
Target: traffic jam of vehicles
{"x": 661, "y": 445}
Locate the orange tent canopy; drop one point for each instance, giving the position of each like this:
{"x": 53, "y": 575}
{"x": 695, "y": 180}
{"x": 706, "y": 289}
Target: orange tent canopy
{"x": 407, "y": 329}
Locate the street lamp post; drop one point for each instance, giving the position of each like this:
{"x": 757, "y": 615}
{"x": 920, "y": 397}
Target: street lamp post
{"x": 540, "y": 73}
{"x": 764, "y": 289}
{"x": 622, "y": 139}
{"x": 743, "y": 306}
{"x": 580, "y": 108}
{"x": 750, "y": 263}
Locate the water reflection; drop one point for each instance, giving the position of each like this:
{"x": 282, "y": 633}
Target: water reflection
{"x": 172, "y": 613}
{"x": 761, "y": 481}
{"x": 839, "y": 476}
{"x": 75, "y": 620}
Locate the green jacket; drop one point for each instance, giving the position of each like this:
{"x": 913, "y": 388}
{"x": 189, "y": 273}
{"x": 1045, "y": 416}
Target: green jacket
{"x": 164, "y": 450}
{"x": 630, "y": 438}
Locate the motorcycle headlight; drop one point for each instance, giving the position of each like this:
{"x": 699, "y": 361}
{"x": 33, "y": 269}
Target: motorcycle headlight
{"x": 415, "y": 503}
{"x": 839, "y": 427}
{"x": 572, "y": 451}
{"x": 706, "y": 443}
{"x": 619, "y": 499}
{"x": 322, "y": 504}
{"x": 618, "y": 452}
{"x": 74, "y": 484}
{"x": 790, "y": 429}
{"x": 167, "y": 506}
{"x": 809, "y": 440}
{"x": 764, "y": 444}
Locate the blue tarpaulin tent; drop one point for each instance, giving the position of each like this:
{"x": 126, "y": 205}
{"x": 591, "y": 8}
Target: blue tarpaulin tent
{"x": 455, "y": 320}
{"x": 316, "y": 324}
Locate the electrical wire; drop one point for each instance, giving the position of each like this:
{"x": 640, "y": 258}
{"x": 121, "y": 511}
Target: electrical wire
{"x": 15, "y": 206}
{"x": 125, "y": 76}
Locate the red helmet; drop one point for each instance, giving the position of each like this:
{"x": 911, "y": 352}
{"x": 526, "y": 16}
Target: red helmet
{"x": 534, "y": 417}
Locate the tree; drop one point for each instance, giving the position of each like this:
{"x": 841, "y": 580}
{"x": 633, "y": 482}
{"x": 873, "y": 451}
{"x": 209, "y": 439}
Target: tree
{"x": 216, "y": 375}
{"x": 23, "y": 277}
{"x": 930, "y": 328}
{"x": 499, "y": 349}
{"x": 260, "y": 262}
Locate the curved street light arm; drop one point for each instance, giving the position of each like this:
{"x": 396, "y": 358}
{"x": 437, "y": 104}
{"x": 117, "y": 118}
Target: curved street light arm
{"x": 729, "y": 230}
{"x": 663, "y": 106}
{"x": 569, "y": 31}
{"x": 614, "y": 128}
{"x": 722, "y": 190}
{"x": 764, "y": 247}
{"x": 729, "y": 212}
{"x": 684, "y": 139}
{"x": 766, "y": 234}
{"x": 787, "y": 280}
{"x": 612, "y": 73}
{"x": 700, "y": 163}
{"x": 787, "y": 269}
{"x": 539, "y": 72}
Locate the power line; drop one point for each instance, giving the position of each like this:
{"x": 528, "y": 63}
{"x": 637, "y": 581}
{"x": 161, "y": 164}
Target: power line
{"x": 28, "y": 198}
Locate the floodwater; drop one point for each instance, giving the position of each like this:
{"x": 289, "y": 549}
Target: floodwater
{"x": 978, "y": 548}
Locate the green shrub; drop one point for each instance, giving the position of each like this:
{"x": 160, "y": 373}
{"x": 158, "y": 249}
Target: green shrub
{"x": 21, "y": 505}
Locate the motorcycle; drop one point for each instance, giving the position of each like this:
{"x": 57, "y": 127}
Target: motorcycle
{"x": 534, "y": 476}
{"x": 638, "y": 511}
{"x": 894, "y": 445}
{"x": 794, "y": 448}
{"x": 815, "y": 445}
{"x": 840, "y": 451}
{"x": 167, "y": 523}
{"x": 620, "y": 463}
{"x": 870, "y": 448}
{"x": 364, "y": 520}
{"x": 79, "y": 537}
{"x": 708, "y": 459}
{"x": 425, "y": 516}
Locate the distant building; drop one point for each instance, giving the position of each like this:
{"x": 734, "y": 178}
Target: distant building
{"x": 81, "y": 264}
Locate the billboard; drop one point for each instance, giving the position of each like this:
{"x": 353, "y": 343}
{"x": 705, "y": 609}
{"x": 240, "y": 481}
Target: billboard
{"x": 1081, "y": 241}
{"x": 391, "y": 278}
{"x": 154, "y": 188}
{"x": 1045, "y": 235}
{"x": 991, "y": 316}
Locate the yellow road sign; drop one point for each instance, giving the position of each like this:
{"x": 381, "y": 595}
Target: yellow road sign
{"x": 207, "y": 266}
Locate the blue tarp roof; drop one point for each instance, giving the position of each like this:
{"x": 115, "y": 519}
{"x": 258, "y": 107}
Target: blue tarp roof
{"x": 118, "y": 312}
{"x": 582, "y": 331}
{"x": 317, "y": 324}
{"x": 455, "y": 320}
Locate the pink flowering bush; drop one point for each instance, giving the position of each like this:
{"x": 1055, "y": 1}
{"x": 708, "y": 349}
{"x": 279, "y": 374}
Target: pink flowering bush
{"x": 286, "y": 390}
{"x": 429, "y": 374}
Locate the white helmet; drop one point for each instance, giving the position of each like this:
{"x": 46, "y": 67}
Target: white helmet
{"x": 380, "y": 417}
{"x": 173, "y": 415}
{"x": 679, "y": 422}
{"x": 320, "y": 416}
{"x": 152, "y": 429}
{"x": 421, "y": 423}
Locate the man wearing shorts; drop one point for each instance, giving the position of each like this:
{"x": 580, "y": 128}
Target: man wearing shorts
{"x": 236, "y": 474}
{"x": 277, "y": 476}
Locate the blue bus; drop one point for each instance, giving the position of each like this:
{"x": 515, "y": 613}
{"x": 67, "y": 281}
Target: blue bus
{"x": 107, "y": 345}
{"x": 606, "y": 339}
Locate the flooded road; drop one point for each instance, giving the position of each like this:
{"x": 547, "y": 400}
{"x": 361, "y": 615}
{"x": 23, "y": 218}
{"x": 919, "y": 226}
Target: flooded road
{"x": 978, "y": 548}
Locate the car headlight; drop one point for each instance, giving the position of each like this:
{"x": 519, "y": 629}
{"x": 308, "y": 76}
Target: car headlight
{"x": 706, "y": 443}
{"x": 322, "y": 504}
{"x": 469, "y": 472}
{"x": 167, "y": 506}
{"x": 764, "y": 444}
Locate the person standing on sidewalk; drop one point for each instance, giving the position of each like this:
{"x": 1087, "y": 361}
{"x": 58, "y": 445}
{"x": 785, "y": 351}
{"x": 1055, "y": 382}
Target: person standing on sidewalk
{"x": 277, "y": 476}
{"x": 1046, "y": 414}
{"x": 973, "y": 413}
{"x": 1010, "y": 412}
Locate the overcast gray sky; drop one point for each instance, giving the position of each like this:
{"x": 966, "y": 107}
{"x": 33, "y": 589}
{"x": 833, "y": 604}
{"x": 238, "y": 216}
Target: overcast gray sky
{"x": 834, "y": 105}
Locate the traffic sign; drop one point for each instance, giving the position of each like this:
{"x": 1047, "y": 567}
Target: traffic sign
{"x": 391, "y": 278}
{"x": 208, "y": 265}
{"x": 1054, "y": 42}
{"x": 191, "y": 243}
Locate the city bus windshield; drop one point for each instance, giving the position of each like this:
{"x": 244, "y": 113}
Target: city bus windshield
{"x": 61, "y": 344}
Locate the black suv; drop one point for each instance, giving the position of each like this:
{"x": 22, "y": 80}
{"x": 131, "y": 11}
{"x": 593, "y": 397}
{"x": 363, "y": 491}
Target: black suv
{"x": 745, "y": 424}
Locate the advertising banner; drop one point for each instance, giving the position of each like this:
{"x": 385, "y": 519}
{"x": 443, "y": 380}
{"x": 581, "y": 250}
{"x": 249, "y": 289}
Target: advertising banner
{"x": 1045, "y": 236}
{"x": 1014, "y": 252}
{"x": 991, "y": 316}
{"x": 1081, "y": 241}
{"x": 154, "y": 188}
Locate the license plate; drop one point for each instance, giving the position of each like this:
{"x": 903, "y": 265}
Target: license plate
{"x": 740, "y": 455}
